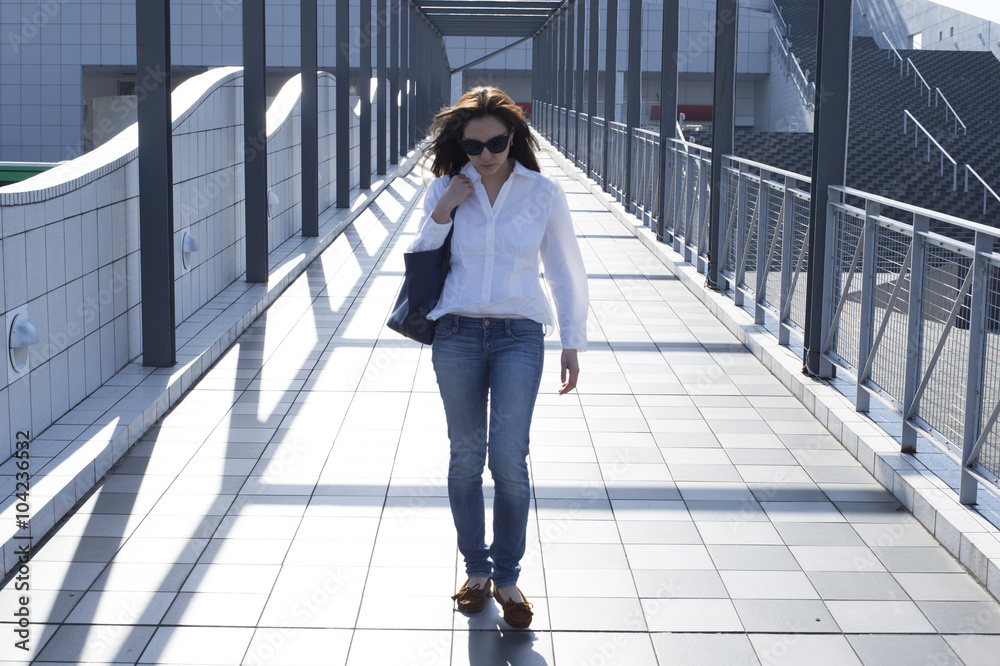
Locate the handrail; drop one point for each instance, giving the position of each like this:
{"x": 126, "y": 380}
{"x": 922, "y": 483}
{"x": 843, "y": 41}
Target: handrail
{"x": 766, "y": 167}
{"x": 688, "y": 144}
{"x": 806, "y": 89}
{"x": 987, "y": 188}
{"x": 892, "y": 48}
{"x": 958, "y": 121}
{"x": 930, "y": 140}
{"x": 909, "y": 63}
{"x": 777, "y": 12}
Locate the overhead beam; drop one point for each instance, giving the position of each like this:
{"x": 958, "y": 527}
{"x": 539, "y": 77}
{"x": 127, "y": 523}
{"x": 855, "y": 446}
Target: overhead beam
{"x": 491, "y": 55}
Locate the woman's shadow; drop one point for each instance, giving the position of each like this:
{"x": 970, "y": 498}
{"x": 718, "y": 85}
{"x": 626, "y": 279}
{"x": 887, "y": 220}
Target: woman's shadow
{"x": 493, "y": 643}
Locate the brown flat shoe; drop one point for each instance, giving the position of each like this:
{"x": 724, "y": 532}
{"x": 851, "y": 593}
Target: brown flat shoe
{"x": 472, "y": 599}
{"x": 515, "y": 613}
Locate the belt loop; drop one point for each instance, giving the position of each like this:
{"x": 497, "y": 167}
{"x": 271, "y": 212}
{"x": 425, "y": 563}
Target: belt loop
{"x": 506, "y": 327}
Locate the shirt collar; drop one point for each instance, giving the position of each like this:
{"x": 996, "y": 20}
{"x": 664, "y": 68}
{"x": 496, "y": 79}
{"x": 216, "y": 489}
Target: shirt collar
{"x": 470, "y": 170}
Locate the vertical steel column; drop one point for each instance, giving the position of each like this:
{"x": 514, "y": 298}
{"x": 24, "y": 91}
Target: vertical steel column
{"x": 610, "y": 73}
{"x": 343, "y": 33}
{"x": 581, "y": 36}
{"x": 633, "y": 103}
{"x": 156, "y": 189}
{"x": 309, "y": 119}
{"x": 365, "y": 92}
{"x": 404, "y": 76}
{"x": 534, "y": 69}
{"x": 723, "y": 129}
{"x": 255, "y": 140}
{"x": 668, "y": 100}
{"x": 560, "y": 78}
{"x": 833, "y": 78}
{"x": 570, "y": 125}
{"x": 595, "y": 47}
{"x": 381, "y": 94}
{"x": 394, "y": 75}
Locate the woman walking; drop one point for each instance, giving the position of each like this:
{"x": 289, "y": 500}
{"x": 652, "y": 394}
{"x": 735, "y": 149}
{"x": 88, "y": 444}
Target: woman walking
{"x": 488, "y": 345}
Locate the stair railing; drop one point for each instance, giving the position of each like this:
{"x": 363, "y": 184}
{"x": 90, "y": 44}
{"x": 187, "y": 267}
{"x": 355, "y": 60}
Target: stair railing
{"x": 893, "y": 53}
{"x": 794, "y": 69}
{"x": 930, "y": 140}
{"x": 781, "y": 20}
{"x": 947, "y": 107}
{"x": 986, "y": 188}
{"x": 918, "y": 76}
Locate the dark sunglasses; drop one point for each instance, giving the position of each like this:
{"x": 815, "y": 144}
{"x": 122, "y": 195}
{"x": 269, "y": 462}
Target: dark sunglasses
{"x": 495, "y": 145}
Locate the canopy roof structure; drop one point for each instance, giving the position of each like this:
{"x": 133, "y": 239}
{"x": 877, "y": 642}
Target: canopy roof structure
{"x": 488, "y": 18}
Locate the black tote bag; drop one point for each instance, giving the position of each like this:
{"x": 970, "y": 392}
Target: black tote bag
{"x": 421, "y": 290}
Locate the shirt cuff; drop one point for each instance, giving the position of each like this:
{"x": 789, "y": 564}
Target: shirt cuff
{"x": 572, "y": 339}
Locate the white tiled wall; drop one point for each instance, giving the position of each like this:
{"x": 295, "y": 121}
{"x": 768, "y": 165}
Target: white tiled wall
{"x": 69, "y": 238}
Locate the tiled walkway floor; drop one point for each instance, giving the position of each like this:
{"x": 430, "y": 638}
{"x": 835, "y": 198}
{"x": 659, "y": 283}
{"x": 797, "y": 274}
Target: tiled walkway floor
{"x": 292, "y": 508}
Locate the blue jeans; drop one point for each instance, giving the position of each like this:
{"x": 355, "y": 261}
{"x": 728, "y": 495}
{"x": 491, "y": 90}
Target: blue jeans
{"x": 494, "y": 362}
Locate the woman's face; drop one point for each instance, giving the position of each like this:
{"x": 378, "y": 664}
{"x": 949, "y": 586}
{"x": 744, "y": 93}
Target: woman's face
{"x": 483, "y": 130}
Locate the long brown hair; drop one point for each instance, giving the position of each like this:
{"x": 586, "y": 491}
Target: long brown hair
{"x": 445, "y": 132}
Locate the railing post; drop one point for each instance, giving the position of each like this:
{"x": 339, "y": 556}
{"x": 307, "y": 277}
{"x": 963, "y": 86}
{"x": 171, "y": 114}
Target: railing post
{"x": 763, "y": 202}
{"x": 581, "y": 36}
{"x": 921, "y": 225}
{"x": 737, "y": 232}
{"x": 787, "y": 256}
{"x": 968, "y": 485}
{"x": 862, "y": 399}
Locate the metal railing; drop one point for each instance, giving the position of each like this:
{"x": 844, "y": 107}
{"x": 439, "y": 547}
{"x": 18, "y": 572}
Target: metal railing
{"x": 893, "y": 53}
{"x": 911, "y": 305}
{"x": 781, "y": 19}
{"x": 645, "y": 174}
{"x": 572, "y": 124}
{"x": 617, "y": 136}
{"x": 987, "y": 190}
{"x": 938, "y": 95}
{"x": 793, "y": 69}
{"x": 915, "y": 318}
{"x": 764, "y": 243}
{"x": 918, "y": 128}
{"x": 917, "y": 76}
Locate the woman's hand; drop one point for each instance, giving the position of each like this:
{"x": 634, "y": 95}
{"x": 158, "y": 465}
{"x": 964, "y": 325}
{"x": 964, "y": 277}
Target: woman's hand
{"x": 458, "y": 190}
{"x": 570, "y": 371}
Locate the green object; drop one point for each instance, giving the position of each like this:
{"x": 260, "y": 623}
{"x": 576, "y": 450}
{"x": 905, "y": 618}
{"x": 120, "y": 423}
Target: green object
{"x": 15, "y": 172}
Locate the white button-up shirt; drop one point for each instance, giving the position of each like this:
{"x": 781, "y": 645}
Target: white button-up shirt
{"x": 495, "y": 253}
